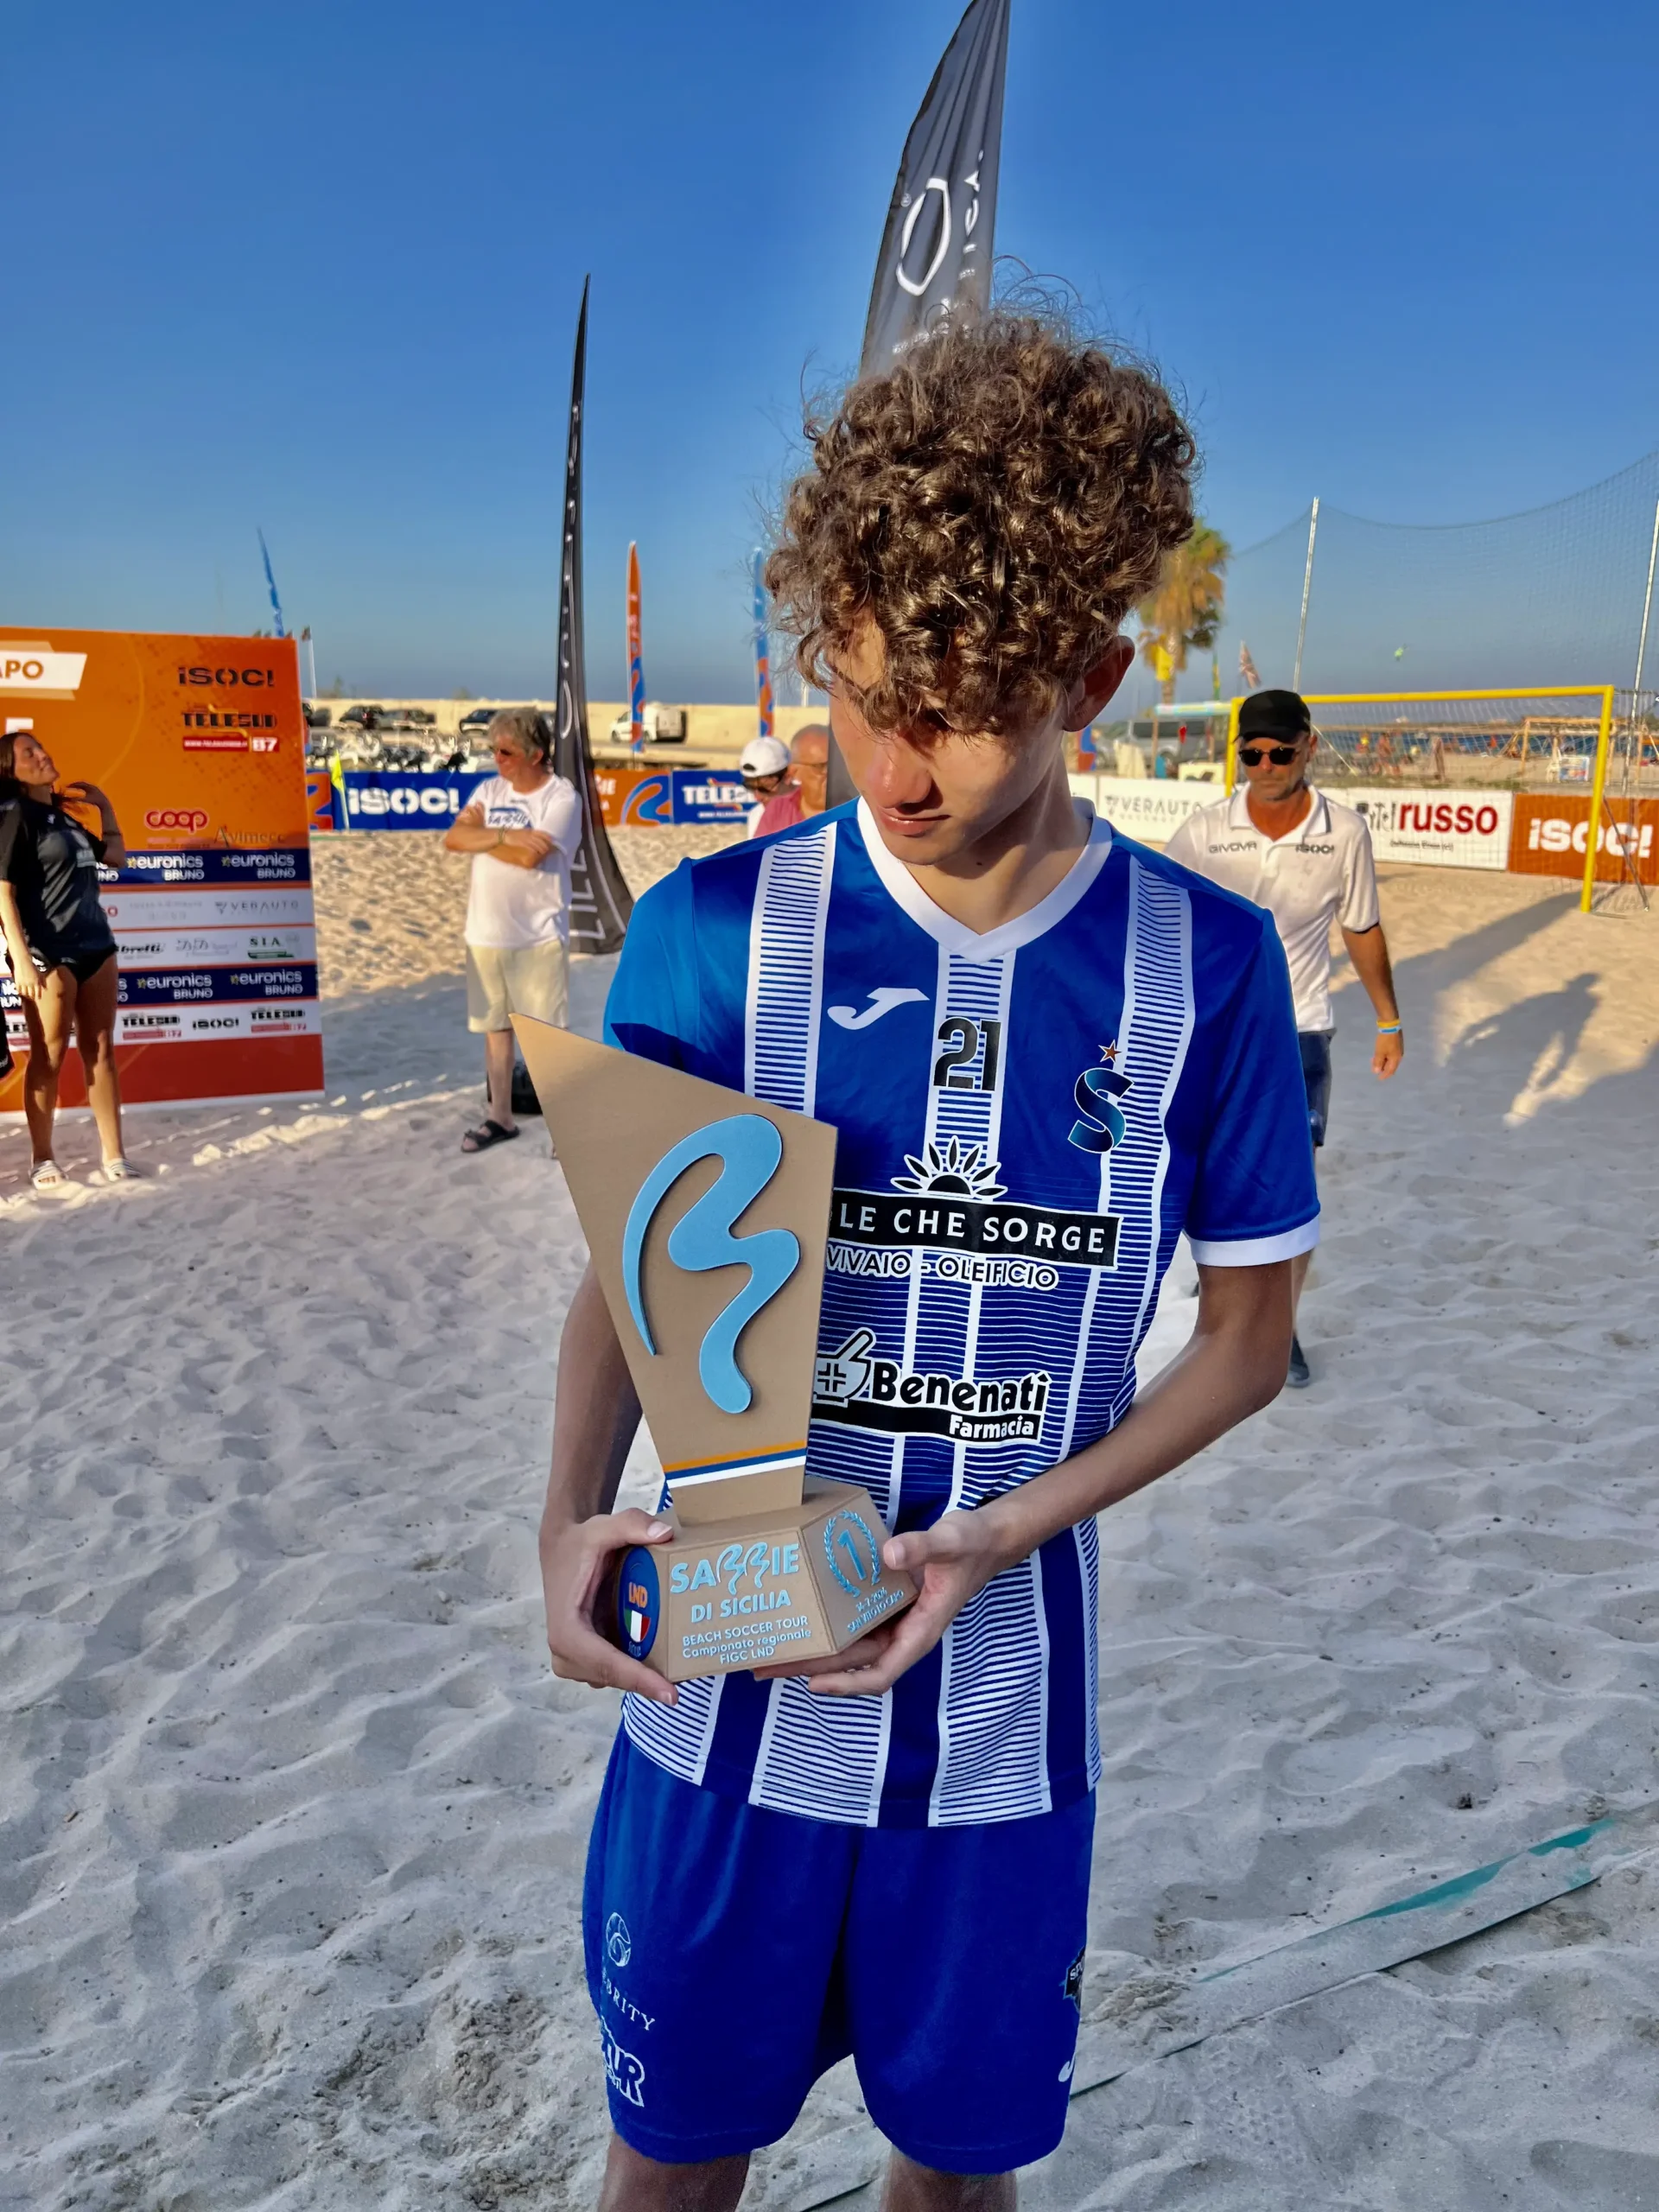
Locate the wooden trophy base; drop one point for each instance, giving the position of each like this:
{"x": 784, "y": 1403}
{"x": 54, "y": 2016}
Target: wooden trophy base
{"x": 800, "y": 1581}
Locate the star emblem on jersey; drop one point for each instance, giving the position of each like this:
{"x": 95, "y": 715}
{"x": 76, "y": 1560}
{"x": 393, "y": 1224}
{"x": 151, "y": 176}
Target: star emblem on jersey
{"x": 1096, "y": 1094}
{"x": 952, "y": 1169}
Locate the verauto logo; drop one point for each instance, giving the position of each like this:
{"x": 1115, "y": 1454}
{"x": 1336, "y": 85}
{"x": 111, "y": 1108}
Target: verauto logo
{"x": 183, "y": 821}
{"x": 34, "y": 668}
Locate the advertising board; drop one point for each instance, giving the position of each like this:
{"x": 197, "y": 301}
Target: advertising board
{"x": 407, "y": 798}
{"x": 199, "y": 744}
{"x": 1552, "y": 830}
{"x": 1437, "y": 828}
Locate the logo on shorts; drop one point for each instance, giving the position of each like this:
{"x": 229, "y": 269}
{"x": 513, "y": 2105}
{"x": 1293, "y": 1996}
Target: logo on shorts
{"x": 749, "y": 1147}
{"x": 625, "y": 2073}
{"x": 1073, "y": 1987}
{"x": 619, "y": 1944}
{"x": 1095, "y": 1095}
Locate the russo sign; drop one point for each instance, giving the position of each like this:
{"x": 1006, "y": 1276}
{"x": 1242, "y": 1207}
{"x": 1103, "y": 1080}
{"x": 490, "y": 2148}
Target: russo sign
{"x": 1436, "y": 829}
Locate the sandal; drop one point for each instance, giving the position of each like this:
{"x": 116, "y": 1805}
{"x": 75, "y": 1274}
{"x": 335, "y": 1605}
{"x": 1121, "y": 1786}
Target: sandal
{"x": 485, "y": 1135}
{"x": 46, "y": 1175}
{"x": 120, "y": 1170}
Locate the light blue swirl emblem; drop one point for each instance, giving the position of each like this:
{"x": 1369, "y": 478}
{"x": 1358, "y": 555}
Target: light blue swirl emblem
{"x": 749, "y": 1147}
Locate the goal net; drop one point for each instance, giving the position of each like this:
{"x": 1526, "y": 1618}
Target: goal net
{"x": 1526, "y": 780}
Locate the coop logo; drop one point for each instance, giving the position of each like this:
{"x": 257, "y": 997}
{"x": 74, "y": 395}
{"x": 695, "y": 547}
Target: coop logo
{"x": 850, "y": 1387}
{"x": 749, "y": 1148}
{"x": 37, "y": 669}
{"x": 186, "y": 820}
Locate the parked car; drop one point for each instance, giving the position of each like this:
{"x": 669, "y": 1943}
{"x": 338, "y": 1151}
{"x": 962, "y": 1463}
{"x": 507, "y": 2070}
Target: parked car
{"x": 317, "y": 717}
{"x": 663, "y": 724}
{"x": 477, "y": 720}
{"x": 360, "y": 717}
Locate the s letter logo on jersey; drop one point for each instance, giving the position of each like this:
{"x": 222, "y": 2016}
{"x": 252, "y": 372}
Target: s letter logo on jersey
{"x": 749, "y": 1147}
{"x": 1096, "y": 1094}
{"x": 881, "y": 1001}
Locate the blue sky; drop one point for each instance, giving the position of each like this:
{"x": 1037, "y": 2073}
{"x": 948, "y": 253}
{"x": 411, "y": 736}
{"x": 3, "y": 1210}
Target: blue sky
{"x": 316, "y": 268}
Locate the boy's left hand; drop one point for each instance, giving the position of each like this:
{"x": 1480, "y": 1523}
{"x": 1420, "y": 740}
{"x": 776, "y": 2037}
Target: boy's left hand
{"x": 953, "y": 1560}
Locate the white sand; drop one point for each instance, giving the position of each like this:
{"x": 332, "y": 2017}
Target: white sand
{"x": 294, "y": 1815}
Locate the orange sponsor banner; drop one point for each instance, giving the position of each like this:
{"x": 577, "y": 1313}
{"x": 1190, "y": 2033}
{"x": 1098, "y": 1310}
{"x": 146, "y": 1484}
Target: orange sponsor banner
{"x": 1550, "y": 834}
{"x": 633, "y": 796}
{"x": 199, "y": 744}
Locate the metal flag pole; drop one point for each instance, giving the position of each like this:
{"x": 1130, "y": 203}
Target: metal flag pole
{"x": 1307, "y": 587}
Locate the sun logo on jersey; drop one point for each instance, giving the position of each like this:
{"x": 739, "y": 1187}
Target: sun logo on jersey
{"x": 953, "y": 1170}
{"x": 1094, "y": 1094}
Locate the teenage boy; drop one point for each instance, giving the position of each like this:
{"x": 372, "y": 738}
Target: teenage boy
{"x": 1047, "y": 1051}
{"x": 1307, "y": 859}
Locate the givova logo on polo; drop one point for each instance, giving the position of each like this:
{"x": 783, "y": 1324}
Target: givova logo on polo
{"x": 851, "y": 1386}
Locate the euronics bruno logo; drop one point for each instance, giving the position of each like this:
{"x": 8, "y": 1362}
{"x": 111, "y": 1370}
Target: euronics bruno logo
{"x": 749, "y": 1148}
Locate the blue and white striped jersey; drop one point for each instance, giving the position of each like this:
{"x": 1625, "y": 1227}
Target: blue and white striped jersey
{"x": 1028, "y": 1119}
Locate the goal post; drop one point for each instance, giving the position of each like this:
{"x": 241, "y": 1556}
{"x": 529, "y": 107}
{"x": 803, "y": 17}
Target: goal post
{"x": 1500, "y": 738}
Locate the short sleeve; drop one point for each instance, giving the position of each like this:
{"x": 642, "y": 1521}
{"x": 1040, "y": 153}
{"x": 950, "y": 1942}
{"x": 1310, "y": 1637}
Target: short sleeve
{"x": 653, "y": 1008}
{"x": 563, "y": 819}
{"x": 1183, "y": 845}
{"x": 1254, "y": 1196}
{"x": 1359, "y": 910}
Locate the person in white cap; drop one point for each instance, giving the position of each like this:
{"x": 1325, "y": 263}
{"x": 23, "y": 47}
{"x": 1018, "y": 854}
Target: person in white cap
{"x": 763, "y": 764}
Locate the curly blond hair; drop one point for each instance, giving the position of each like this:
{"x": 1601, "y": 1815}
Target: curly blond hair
{"x": 994, "y": 504}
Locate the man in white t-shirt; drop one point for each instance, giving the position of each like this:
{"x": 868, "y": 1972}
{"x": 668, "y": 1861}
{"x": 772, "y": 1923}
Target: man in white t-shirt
{"x": 522, "y": 830}
{"x": 1307, "y": 859}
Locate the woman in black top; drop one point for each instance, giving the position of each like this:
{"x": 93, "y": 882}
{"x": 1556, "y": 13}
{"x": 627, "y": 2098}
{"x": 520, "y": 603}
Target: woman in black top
{"x": 58, "y": 943}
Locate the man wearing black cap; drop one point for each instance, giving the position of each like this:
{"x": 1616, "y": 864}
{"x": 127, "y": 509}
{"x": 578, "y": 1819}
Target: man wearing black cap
{"x": 1307, "y": 859}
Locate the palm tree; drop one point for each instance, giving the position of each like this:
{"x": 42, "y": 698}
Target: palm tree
{"x": 1186, "y": 610}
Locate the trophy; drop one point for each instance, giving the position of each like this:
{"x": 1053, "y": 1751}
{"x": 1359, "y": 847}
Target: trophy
{"x": 706, "y": 1213}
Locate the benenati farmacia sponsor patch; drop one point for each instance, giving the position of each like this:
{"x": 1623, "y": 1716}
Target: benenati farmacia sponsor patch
{"x": 849, "y": 1386}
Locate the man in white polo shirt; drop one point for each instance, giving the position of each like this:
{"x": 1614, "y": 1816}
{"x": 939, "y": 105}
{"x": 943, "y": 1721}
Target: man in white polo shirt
{"x": 1307, "y": 859}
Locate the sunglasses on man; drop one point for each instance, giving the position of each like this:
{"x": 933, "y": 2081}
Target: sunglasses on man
{"x": 1281, "y": 755}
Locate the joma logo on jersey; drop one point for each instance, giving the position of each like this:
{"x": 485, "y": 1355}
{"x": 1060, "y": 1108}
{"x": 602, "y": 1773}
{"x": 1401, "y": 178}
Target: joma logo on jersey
{"x": 850, "y": 1387}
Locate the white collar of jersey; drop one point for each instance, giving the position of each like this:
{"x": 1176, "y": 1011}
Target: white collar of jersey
{"x": 1316, "y": 821}
{"x": 955, "y": 936}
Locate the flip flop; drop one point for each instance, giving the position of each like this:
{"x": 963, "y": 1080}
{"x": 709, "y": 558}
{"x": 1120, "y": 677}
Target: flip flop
{"x": 485, "y": 1135}
{"x": 46, "y": 1175}
{"x": 120, "y": 1171}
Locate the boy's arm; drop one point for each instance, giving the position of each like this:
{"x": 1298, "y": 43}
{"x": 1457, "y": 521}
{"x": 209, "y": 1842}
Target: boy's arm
{"x": 1234, "y": 1365}
{"x": 595, "y": 1415}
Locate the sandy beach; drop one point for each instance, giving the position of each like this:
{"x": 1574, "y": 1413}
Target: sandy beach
{"x": 292, "y": 1838}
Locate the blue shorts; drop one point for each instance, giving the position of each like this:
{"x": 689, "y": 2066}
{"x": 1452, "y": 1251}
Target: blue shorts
{"x": 733, "y": 1953}
{"x": 1316, "y": 1076}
